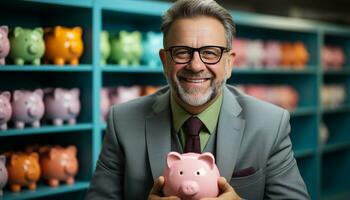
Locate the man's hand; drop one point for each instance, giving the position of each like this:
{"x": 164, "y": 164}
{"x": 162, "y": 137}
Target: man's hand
{"x": 226, "y": 191}
{"x": 156, "y": 191}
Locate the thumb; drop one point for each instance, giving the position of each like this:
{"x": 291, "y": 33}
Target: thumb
{"x": 157, "y": 186}
{"x": 224, "y": 185}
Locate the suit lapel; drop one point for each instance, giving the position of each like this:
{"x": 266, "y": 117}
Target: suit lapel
{"x": 158, "y": 134}
{"x": 229, "y": 134}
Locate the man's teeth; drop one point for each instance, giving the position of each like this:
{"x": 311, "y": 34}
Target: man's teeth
{"x": 195, "y": 80}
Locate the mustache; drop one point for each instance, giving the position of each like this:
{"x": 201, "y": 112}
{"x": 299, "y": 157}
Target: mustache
{"x": 190, "y": 74}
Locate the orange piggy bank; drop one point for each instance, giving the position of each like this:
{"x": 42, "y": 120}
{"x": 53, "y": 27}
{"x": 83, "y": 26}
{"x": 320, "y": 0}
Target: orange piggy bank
{"x": 59, "y": 164}
{"x": 23, "y": 170}
{"x": 63, "y": 45}
{"x": 301, "y": 55}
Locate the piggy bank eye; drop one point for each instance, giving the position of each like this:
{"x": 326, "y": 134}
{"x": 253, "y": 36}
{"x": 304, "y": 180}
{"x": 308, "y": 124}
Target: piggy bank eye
{"x": 198, "y": 173}
{"x": 181, "y": 172}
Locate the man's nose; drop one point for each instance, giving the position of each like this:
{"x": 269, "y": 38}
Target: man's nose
{"x": 196, "y": 63}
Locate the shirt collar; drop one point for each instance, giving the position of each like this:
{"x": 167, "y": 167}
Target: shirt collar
{"x": 209, "y": 116}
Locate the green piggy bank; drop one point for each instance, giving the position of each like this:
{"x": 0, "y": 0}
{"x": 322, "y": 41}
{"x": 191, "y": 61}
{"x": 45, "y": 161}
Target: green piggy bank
{"x": 27, "y": 45}
{"x": 105, "y": 47}
{"x": 126, "y": 48}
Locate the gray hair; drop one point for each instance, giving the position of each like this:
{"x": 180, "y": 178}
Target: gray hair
{"x": 195, "y": 8}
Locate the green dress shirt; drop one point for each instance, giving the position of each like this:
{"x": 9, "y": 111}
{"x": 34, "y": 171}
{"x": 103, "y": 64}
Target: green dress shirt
{"x": 209, "y": 117}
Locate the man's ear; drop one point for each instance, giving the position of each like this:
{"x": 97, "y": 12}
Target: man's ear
{"x": 229, "y": 63}
{"x": 163, "y": 58}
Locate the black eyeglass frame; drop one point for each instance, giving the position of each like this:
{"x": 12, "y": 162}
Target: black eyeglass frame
{"x": 223, "y": 50}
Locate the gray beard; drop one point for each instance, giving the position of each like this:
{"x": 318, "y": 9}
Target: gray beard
{"x": 192, "y": 96}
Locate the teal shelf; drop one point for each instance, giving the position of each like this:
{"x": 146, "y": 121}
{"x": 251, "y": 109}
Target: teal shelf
{"x": 277, "y": 71}
{"x": 304, "y": 111}
{"x": 340, "y": 109}
{"x": 304, "y": 153}
{"x": 77, "y": 3}
{"x": 342, "y": 72}
{"x": 47, "y": 68}
{"x": 327, "y": 148}
{"x": 45, "y": 191}
{"x": 46, "y": 130}
{"x": 131, "y": 69}
{"x": 154, "y": 8}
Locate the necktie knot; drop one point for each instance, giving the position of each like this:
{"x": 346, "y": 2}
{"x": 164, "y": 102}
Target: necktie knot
{"x": 193, "y": 125}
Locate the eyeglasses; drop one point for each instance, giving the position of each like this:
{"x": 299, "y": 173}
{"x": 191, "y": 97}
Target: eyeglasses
{"x": 208, "y": 54}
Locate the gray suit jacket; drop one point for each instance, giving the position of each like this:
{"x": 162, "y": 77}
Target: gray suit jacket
{"x": 251, "y": 134}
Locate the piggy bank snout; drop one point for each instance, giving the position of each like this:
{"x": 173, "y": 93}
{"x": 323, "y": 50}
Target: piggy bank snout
{"x": 189, "y": 188}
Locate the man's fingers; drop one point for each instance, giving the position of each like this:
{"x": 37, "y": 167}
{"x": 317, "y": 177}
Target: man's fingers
{"x": 224, "y": 185}
{"x": 157, "y": 186}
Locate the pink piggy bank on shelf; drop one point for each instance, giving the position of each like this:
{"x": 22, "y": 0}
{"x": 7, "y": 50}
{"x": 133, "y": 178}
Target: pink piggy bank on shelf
{"x": 62, "y": 105}
{"x": 239, "y": 47}
{"x": 63, "y": 45}
{"x": 105, "y": 103}
{"x": 27, "y": 107}
{"x": 272, "y": 54}
{"x": 5, "y": 109}
{"x": 23, "y": 170}
{"x": 4, "y": 44}
{"x": 59, "y": 164}
{"x": 3, "y": 173}
{"x": 191, "y": 176}
{"x": 123, "y": 94}
{"x": 254, "y": 53}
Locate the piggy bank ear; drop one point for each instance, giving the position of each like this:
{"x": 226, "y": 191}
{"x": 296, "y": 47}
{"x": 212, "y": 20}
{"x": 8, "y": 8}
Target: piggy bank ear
{"x": 39, "y": 92}
{"x": 53, "y": 153}
{"x": 57, "y": 31}
{"x": 14, "y": 159}
{"x": 75, "y": 92}
{"x": 5, "y": 29}
{"x": 18, "y": 31}
{"x": 3, "y": 159}
{"x": 72, "y": 150}
{"x": 40, "y": 31}
{"x": 58, "y": 93}
{"x": 6, "y": 94}
{"x": 208, "y": 158}
{"x": 17, "y": 95}
{"x": 172, "y": 158}
{"x": 78, "y": 31}
{"x": 34, "y": 155}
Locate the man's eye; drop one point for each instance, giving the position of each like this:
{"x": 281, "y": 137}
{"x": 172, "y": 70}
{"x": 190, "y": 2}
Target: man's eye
{"x": 182, "y": 53}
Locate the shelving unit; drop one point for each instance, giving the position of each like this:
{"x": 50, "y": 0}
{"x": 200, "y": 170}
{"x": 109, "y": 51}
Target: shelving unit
{"x": 324, "y": 167}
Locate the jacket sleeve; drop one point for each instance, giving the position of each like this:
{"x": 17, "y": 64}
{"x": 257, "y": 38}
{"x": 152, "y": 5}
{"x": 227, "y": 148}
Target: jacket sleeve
{"x": 107, "y": 181}
{"x": 283, "y": 179}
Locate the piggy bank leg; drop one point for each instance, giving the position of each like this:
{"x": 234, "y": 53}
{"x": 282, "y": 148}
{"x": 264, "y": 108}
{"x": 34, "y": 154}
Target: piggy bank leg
{"x": 15, "y": 187}
{"x": 3, "y": 126}
{"x": 74, "y": 62}
{"x": 54, "y": 182}
{"x": 19, "y": 61}
{"x": 2, "y": 61}
{"x": 58, "y": 61}
{"x": 1, "y": 193}
{"x": 19, "y": 124}
{"x": 36, "y": 124}
{"x": 72, "y": 121}
{"x": 32, "y": 186}
{"x": 103, "y": 62}
{"x": 135, "y": 63}
{"x": 36, "y": 61}
{"x": 57, "y": 122}
{"x": 70, "y": 181}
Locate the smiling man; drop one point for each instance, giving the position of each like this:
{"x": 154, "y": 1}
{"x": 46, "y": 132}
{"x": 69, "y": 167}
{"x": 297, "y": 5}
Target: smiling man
{"x": 249, "y": 138}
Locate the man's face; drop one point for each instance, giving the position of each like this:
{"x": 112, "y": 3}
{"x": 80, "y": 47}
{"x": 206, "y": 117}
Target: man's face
{"x": 196, "y": 83}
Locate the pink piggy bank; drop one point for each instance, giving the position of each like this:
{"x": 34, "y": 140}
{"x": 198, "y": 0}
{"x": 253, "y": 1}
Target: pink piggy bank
{"x": 4, "y": 44}
{"x": 5, "y": 109}
{"x": 191, "y": 176}
{"x": 62, "y": 105}
{"x": 59, "y": 164}
{"x": 27, "y": 107}
{"x": 123, "y": 94}
{"x": 105, "y": 103}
